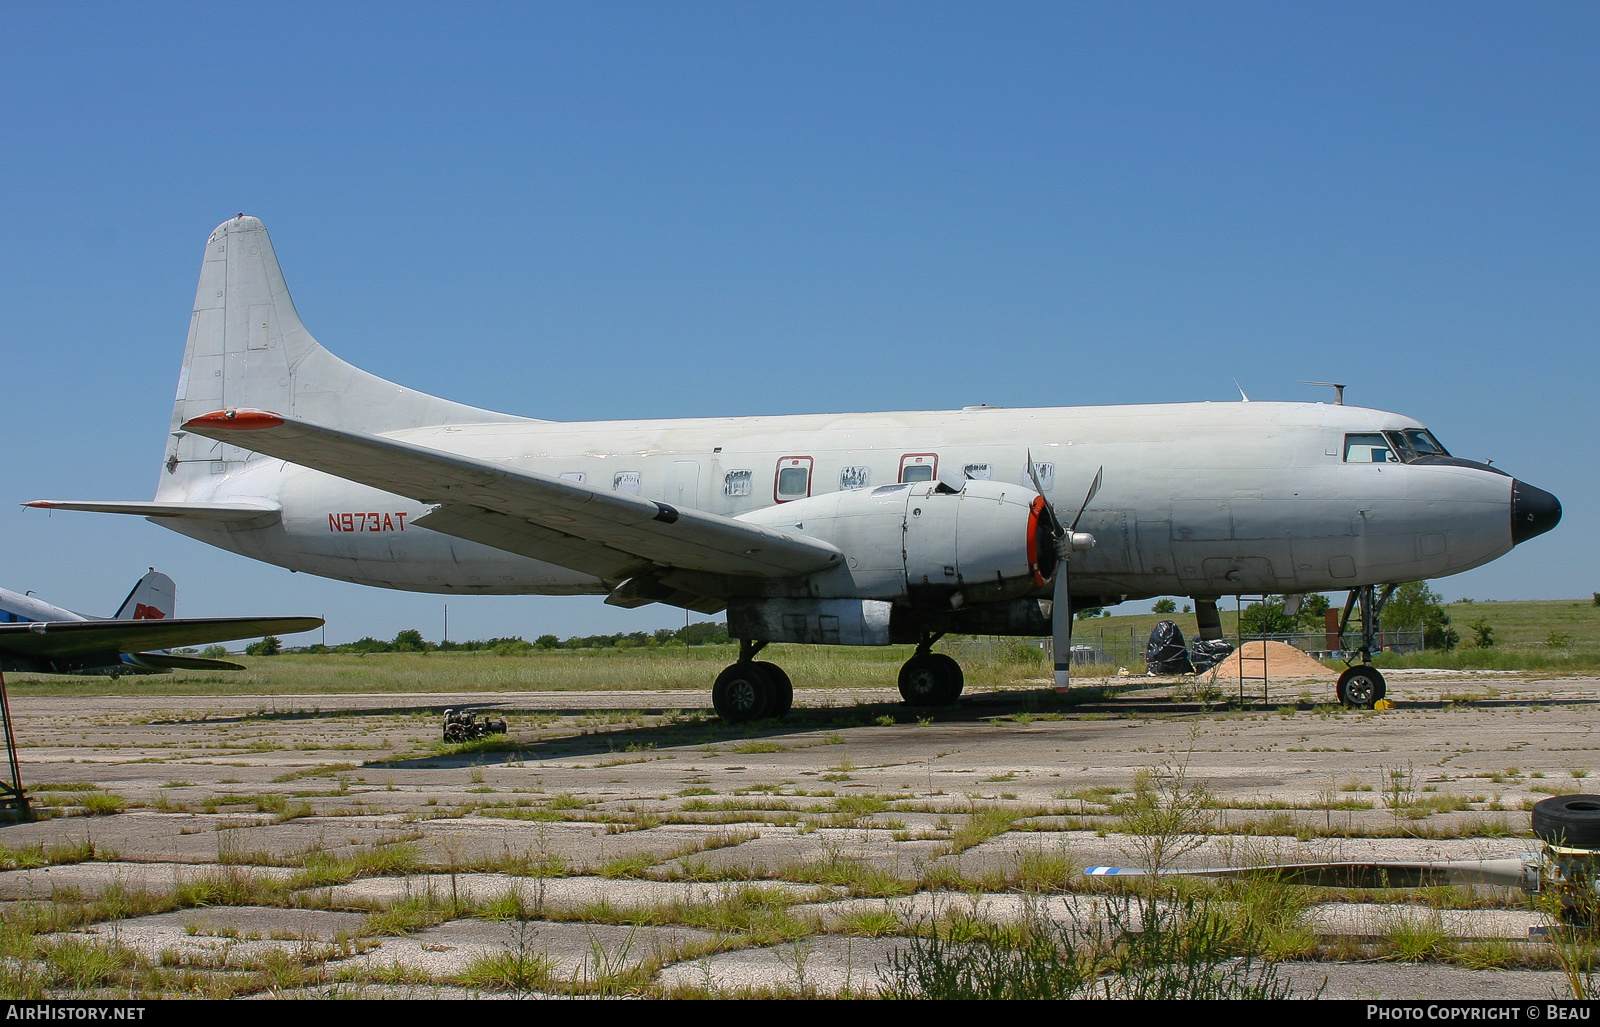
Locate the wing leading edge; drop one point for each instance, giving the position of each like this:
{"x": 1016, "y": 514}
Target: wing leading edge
{"x": 608, "y": 534}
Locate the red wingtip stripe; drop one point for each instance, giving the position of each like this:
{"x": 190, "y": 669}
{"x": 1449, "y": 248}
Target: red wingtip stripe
{"x": 235, "y": 420}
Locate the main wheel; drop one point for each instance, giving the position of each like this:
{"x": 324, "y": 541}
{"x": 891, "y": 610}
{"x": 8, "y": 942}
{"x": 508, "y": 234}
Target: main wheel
{"x": 743, "y": 692}
{"x": 956, "y": 679}
{"x": 782, "y": 689}
{"x": 1572, "y": 821}
{"x": 930, "y": 679}
{"x": 1361, "y": 687}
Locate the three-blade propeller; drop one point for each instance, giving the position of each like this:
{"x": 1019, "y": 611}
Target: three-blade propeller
{"x": 1068, "y": 540}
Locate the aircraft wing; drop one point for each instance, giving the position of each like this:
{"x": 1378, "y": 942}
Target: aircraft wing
{"x": 66, "y": 640}
{"x": 608, "y": 534}
{"x": 223, "y": 513}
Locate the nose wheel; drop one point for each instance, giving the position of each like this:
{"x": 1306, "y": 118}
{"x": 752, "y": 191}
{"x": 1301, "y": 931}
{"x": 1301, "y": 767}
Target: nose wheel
{"x": 752, "y": 689}
{"x": 930, "y": 678}
{"x": 1361, "y": 686}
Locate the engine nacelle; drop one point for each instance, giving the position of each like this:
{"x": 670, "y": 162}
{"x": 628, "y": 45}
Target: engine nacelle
{"x": 927, "y": 544}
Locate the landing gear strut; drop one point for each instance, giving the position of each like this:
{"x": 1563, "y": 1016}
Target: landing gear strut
{"x": 930, "y": 678}
{"x": 752, "y": 689}
{"x": 1361, "y": 686}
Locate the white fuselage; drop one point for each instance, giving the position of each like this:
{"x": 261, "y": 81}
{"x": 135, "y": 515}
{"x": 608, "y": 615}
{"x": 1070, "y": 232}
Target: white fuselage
{"x": 1198, "y": 499}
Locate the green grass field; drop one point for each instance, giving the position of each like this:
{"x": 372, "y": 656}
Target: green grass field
{"x": 1553, "y": 636}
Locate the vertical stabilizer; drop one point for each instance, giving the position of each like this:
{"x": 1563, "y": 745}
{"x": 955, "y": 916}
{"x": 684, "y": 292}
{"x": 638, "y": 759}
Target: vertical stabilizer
{"x": 155, "y": 597}
{"x": 247, "y": 348}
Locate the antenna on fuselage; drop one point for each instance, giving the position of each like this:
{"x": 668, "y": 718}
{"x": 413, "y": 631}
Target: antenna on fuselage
{"x": 1242, "y": 397}
{"x": 1337, "y": 387}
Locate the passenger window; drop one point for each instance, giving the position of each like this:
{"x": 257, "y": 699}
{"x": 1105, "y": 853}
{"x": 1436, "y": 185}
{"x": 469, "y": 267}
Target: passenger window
{"x": 572, "y": 476}
{"x": 919, "y": 466}
{"x": 794, "y": 479}
{"x": 1367, "y": 448}
{"x": 978, "y": 472}
{"x": 626, "y": 482}
{"x": 736, "y": 483}
{"x": 1047, "y": 474}
{"x": 854, "y": 478}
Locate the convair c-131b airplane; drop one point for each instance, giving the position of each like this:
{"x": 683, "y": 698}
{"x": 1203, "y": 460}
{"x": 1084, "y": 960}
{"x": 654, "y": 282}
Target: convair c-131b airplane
{"x": 844, "y": 529}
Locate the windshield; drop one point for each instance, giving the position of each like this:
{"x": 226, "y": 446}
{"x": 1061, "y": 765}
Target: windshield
{"x": 1414, "y": 442}
{"x": 1402, "y": 446}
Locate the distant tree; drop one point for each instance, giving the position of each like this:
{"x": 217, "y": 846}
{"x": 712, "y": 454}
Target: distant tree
{"x": 215, "y": 652}
{"x": 1266, "y": 618}
{"x": 1482, "y": 633}
{"x": 1164, "y": 606}
{"x": 1312, "y": 608}
{"x": 1597, "y": 599}
{"x": 409, "y": 641}
{"x": 316, "y": 649}
{"x": 1085, "y": 612}
{"x": 547, "y": 642}
{"x": 1186, "y": 608}
{"x": 269, "y": 646}
{"x": 1416, "y": 607}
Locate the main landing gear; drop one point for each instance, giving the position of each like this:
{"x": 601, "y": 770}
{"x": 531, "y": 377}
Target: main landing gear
{"x": 930, "y": 678}
{"x": 1361, "y": 686}
{"x": 752, "y": 689}
{"x": 757, "y": 690}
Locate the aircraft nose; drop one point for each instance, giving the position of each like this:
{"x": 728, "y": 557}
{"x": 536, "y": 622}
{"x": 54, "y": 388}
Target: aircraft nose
{"x": 1533, "y": 511}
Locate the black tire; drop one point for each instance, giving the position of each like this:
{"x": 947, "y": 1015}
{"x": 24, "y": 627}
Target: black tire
{"x": 743, "y": 692}
{"x": 1361, "y": 687}
{"x": 782, "y": 689}
{"x": 1571, "y": 821}
{"x": 930, "y": 679}
{"x": 957, "y": 679}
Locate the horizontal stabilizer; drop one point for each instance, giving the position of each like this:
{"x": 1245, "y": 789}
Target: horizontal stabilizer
{"x": 222, "y": 513}
{"x": 73, "y": 638}
{"x": 609, "y": 534}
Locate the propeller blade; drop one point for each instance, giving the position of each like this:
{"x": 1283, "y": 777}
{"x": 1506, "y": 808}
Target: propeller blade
{"x": 1508, "y": 873}
{"x": 1098, "y": 475}
{"x": 1061, "y": 625}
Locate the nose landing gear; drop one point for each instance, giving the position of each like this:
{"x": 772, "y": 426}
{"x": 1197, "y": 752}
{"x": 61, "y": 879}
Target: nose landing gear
{"x": 752, "y": 689}
{"x": 1361, "y": 686}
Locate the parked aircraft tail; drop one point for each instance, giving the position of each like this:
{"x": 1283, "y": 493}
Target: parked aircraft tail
{"x": 153, "y": 598}
{"x": 248, "y": 348}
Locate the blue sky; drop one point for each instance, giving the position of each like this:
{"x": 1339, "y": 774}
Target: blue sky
{"x": 598, "y": 210}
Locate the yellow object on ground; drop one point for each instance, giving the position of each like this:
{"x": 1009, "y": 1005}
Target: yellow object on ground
{"x": 1383, "y": 704}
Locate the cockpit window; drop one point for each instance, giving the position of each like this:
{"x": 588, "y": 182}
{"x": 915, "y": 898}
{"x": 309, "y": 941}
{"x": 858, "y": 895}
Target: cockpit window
{"x": 1414, "y": 442}
{"x": 1370, "y": 448}
{"x": 1402, "y": 446}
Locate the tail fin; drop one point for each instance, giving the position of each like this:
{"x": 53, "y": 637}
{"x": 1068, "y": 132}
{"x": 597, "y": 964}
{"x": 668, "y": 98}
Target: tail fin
{"x": 247, "y": 348}
{"x": 155, "y": 597}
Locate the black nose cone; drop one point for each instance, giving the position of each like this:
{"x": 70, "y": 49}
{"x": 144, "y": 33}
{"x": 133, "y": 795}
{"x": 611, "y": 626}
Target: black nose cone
{"x": 1533, "y": 511}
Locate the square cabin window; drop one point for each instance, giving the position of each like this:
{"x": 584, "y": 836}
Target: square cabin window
{"x": 794, "y": 482}
{"x": 626, "y": 482}
{"x": 1367, "y": 448}
{"x": 854, "y": 478}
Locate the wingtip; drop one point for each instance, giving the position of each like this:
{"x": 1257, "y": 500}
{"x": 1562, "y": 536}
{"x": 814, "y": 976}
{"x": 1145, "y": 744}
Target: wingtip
{"x": 235, "y": 419}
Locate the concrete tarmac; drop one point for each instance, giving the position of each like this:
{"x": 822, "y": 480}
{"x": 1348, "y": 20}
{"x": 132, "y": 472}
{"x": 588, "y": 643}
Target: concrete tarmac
{"x": 632, "y": 829}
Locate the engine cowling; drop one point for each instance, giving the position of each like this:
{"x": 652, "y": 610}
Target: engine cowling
{"x": 927, "y": 544}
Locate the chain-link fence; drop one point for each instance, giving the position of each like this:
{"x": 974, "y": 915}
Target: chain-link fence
{"x": 1126, "y": 647}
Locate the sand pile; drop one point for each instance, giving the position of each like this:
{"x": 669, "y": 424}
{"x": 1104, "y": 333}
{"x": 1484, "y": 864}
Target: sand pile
{"x": 1284, "y": 663}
